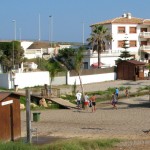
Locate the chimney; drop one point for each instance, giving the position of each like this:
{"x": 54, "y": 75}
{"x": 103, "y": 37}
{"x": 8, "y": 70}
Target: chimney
{"x": 124, "y": 15}
{"x": 129, "y": 15}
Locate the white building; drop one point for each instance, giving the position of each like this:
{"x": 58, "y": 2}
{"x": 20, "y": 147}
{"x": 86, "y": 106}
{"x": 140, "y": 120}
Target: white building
{"x": 135, "y": 30}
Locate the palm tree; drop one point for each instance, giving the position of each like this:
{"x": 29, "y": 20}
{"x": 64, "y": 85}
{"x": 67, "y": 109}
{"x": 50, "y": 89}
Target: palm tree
{"x": 72, "y": 59}
{"x": 53, "y": 68}
{"x": 98, "y": 39}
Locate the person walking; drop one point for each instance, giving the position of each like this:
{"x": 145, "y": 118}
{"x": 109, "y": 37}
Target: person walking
{"x": 86, "y": 102}
{"x": 117, "y": 93}
{"x": 114, "y": 100}
{"x": 127, "y": 92}
{"x": 93, "y": 100}
{"x": 78, "y": 97}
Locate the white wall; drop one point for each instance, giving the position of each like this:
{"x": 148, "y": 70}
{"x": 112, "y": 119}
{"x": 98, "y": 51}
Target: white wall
{"x": 92, "y": 78}
{"x": 117, "y": 37}
{"x": 59, "y": 80}
{"x": 5, "y": 80}
{"x": 26, "y": 44}
{"x": 32, "y": 79}
{"x": 28, "y": 79}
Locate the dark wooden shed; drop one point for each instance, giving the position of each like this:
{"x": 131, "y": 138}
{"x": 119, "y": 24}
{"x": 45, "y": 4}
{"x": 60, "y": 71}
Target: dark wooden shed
{"x": 130, "y": 70}
{"x": 10, "y": 120}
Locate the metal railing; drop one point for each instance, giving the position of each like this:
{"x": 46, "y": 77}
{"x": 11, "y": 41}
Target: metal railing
{"x": 145, "y": 34}
{"x": 145, "y": 47}
{"x": 106, "y": 52}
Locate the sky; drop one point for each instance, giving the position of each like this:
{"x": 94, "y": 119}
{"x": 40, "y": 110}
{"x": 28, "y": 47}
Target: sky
{"x": 70, "y": 19}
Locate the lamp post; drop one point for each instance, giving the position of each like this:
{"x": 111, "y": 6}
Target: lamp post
{"x": 83, "y": 33}
{"x": 50, "y": 30}
{"x": 20, "y": 34}
{"x": 14, "y": 21}
{"x": 39, "y": 27}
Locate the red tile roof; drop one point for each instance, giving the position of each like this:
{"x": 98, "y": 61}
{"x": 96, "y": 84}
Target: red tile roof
{"x": 124, "y": 20}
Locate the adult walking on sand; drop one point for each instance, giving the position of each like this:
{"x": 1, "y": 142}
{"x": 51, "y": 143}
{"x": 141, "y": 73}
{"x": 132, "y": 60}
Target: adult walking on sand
{"x": 78, "y": 96}
{"x": 127, "y": 92}
{"x": 93, "y": 100}
{"x": 114, "y": 100}
{"x": 86, "y": 102}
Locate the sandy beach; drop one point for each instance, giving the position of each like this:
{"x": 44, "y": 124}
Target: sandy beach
{"x": 129, "y": 121}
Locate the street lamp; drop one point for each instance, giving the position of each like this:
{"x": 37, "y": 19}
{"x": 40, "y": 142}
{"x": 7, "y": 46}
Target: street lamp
{"x": 83, "y": 33}
{"x": 20, "y": 34}
{"x": 14, "y": 21}
{"x": 50, "y": 30}
{"x": 39, "y": 27}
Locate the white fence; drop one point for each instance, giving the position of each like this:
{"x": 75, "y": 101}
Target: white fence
{"x": 31, "y": 79}
{"x": 28, "y": 79}
{"x": 92, "y": 78}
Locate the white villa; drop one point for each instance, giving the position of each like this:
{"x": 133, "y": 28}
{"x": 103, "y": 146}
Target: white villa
{"x": 135, "y": 31}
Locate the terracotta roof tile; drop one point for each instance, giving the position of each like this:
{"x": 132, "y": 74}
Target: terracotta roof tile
{"x": 39, "y": 45}
{"x": 124, "y": 20}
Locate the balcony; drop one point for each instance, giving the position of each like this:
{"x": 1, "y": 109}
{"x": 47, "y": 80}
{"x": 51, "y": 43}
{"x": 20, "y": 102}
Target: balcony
{"x": 104, "y": 53}
{"x": 145, "y": 35}
{"x": 145, "y": 48}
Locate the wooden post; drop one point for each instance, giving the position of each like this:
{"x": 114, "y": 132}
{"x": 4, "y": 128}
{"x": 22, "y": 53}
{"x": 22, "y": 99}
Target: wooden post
{"x": 28, "y": 117}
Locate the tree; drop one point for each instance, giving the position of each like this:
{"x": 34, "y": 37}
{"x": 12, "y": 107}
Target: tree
{"x": 53, "y": 67}
{"x": 98, "y": 39}
{"x": 49, "y": 65}
{"x": 123, "y": 56}
{"x": 72, "y": 59}
{"x": 12, "y": 54}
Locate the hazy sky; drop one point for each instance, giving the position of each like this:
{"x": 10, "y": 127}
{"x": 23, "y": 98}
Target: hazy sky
{"x": 69, "y": 17}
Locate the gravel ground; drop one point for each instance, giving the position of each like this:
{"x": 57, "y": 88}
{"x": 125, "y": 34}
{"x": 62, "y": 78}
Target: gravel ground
{"x": 127, "y": 122}
{"x": 105, "y": 85}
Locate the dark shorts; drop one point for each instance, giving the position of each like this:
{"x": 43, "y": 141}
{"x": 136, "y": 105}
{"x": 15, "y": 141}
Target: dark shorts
{"x": 114, "y": 102}
{"x": 117, "y": 94}
{"x": 93, "y": 103}
{"x": 78, "y": 103}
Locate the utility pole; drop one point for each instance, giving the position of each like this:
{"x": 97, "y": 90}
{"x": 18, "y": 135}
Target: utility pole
{"x": 28, "y": 116}
{"x": 50, "y": 29}
{"x": 83, "y": 33}
{"x": 39, "y": 27}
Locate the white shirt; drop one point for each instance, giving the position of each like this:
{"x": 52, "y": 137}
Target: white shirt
{"x": 86, "y": 98}
{"x": 78, "y": 96}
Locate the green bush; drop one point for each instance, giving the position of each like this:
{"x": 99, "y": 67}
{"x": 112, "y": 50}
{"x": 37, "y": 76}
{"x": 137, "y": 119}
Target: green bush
{"x": 54, "y": 106}
{"x": 23, "y": 100}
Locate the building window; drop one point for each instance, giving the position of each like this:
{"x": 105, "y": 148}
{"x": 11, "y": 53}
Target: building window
{"x": 143, "y": 43}
{"x": 121, "y": 43}
{"x": 85, "y": 65}
{"x": 133, "y": 44}
{"x": 132, "y": 29}
{"x": 143, "y": 29}
{"x": 121, "y": 29}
